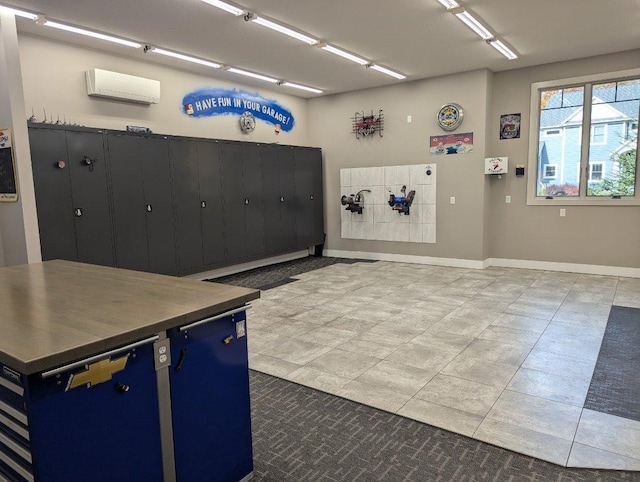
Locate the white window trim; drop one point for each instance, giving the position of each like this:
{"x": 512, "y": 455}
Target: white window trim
{"x": 534, "y": 129}
{"x": 599, "y": 163}
{"x": 555, "y": 176}
{"x": 604, "y": 136}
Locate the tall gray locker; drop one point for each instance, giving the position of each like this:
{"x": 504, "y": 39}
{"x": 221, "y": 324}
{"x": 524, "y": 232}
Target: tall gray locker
{"x": 198, "y": 204}
{"x": 243, "y": 200}
{"x": 79, "y": 155}
{"x": 279, "y": 198}
{"x": 142, "y": 209}
{"x": 309, "y": 210}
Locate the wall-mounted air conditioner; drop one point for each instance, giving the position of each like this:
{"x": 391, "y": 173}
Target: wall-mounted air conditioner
{"x": 114, "y": 85}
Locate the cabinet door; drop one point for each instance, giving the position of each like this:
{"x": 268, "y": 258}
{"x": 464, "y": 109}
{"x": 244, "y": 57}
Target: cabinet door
{"x": 184, "y": 160}
{"x": 156, "y": 173}
{"x": 88, "y": 171}
{"x": 309, "y": 210}
{"x": 233, "y": 195}
{"x": 213, "y": 239}
{"x": 279, "y": 198}
{"x": 253, "y": 199}
{"x": 128, "y": 202}
{"x": 52, "y": 186}
{"x": 210, "y": 402}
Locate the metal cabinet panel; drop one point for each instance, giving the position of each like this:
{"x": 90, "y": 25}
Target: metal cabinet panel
{"x": 209, "y": 381}
{"x": 184, "y": 161}
{"x": 253, "y": 200}
{"x": 279, "y": 198}
{"x": 309, "y": 210}
{"x": 156, "y": 173}
{"x": 209, "y": 175}
{"x": 88, "y": 171}
{"x": 99, "y": 433}
{"x": 128, "y": 202}
{"x": 53, "y": 194}
{"x": 233, "y": 193}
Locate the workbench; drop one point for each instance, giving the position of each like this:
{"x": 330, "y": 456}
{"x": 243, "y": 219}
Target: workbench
{"x": 115, "y": 375}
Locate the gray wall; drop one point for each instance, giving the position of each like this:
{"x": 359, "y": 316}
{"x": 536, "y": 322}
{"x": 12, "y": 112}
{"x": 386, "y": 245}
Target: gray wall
{"x": 596, "y": 235}
{"x": 460, "y": 228}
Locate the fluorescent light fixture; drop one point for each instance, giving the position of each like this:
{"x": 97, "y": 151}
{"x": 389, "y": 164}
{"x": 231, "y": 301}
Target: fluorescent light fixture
{"x": 387, "y": 71}
{"x": 502, "y": 48}
{"x": 18, "y": 13}
{"x": 346, "y": 55}
{"x": 302, "y": 87}
{"x": 90, "y": 33}
{"x": 449, "y": 4}
{"x": 227, "y": 7}
{"x": 473, "y": 24}
{"x": 251, "y": 74}
{"x": 176, "y": 55}
{"x": 285, "y": 30}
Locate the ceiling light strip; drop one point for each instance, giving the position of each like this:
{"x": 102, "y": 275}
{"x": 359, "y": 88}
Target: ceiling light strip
{"x": 282, "y": 29}
{"x": 344, "y": 54}
{"x": 448, "y": 4}
{"x": 384, "y": 70}
{"x": 187, "y": 58}
{"x": 474, "y": 24}
{"x": 252, "y": 74}
{"x": 503, "y": 49}
{"x": 90, "y": 33}
{"x": 301, "y": 87}
{"x": 227, "y": 7}
{"x": 18, "y": 13}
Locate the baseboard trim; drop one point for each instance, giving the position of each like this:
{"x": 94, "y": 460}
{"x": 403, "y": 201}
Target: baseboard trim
{"x": 482, "y": 264}
{"x": 406, "y": 258}
{"x": 238, "y": 268}
{"x": 566, "y": 267}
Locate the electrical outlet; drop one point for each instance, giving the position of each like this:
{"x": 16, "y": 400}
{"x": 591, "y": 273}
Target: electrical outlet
{"x": 452, "y": 200}
{"x": 409, "y": 119}
{"x": 507, "y": 199}
{"x": 563, "y": 213}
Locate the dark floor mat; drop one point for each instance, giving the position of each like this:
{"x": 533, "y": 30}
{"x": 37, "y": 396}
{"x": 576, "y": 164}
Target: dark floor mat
{"x": 304, "y": 435}
{"x": 615, "y": 385}
{"x": 271, "y": 275}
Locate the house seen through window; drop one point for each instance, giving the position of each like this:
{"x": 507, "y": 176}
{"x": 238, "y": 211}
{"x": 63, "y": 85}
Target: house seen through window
{"x": 587, "y": 139}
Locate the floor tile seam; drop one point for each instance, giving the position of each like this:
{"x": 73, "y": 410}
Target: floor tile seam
{"x": 416, "y": 399}
{"x": 548, "y": 373}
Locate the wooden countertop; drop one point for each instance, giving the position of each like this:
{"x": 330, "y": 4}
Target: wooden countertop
{"x": 56, "y": 312}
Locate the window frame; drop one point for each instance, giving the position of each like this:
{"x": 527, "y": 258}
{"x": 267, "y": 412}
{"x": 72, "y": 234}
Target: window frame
{"x": 534, "y": 137}
{"x": 555, "y": 171}
{"x": 605, "y": 129}
{"x": 602, "y": 165}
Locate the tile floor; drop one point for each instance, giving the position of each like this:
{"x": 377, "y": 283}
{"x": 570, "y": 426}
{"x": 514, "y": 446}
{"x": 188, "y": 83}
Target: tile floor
{"x": 501, "y": 355}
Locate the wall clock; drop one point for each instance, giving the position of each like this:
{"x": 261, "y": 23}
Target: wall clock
{"x": 450, "y": 116}
{"x": 247, "y": 122}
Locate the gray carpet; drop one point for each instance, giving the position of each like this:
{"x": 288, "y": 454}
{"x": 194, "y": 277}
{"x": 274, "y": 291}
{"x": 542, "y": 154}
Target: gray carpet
{"x": 615, "y": 385}
{"x": 304, "y": 435}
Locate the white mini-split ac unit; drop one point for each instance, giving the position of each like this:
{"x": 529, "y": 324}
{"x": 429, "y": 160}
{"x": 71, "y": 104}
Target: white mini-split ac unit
{"x": 114, "y": 85}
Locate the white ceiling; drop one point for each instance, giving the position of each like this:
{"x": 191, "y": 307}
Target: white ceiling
{"x": 416, "y": 37}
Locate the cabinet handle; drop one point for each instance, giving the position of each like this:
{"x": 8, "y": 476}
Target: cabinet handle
{"x": 203, "y": 204}
{"x": 311, "y": 197}
{"x": 281, "y": 199}
{"x": 246, "y": 201}
{"x": 214, "y": 318}
{"x": 149, "y": 208}
{"x": 101, "y": 356}
{"x": 77, "y": 212}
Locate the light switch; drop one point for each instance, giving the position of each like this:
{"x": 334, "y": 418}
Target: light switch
{"x": 563, "y": 213}
{"x": 409, "y": 119}
{"x": 452, "y": 200}
{"x": 507, "y": 199}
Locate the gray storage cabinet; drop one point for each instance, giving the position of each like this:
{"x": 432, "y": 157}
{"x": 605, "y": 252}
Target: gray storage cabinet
{"x": 72, "y": 198}
{"x": 141, "y": 197}
{"x": 279, "y": 198}
{"x": 169, "y": 204}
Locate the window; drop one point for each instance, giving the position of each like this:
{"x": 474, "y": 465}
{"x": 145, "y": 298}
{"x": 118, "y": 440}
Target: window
{"x": 598, "y": 134}
{"x": 596, "y": 171}
{"x": 584, "y": 140}
{"x": 550, "y": 171}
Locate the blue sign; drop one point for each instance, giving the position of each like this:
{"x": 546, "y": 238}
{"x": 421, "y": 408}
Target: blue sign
{"x": 211, "y": 101}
